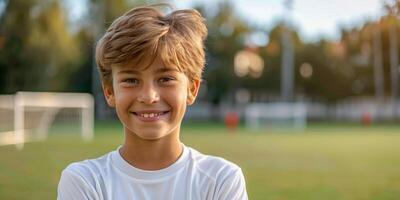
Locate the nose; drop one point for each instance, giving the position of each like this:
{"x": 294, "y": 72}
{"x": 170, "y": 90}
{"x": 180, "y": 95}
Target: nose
{"x": 149, "y": 94}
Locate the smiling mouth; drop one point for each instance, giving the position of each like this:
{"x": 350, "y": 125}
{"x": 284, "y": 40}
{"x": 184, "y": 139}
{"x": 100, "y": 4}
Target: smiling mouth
{"x": 150, "y": 115}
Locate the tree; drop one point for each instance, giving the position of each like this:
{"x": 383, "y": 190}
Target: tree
{"x": 38, "y": 51}
{"x": 225, "y": 38}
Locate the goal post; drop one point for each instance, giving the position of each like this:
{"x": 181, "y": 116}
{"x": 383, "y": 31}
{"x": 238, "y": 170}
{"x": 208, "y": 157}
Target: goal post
{"x": 6, "y": 119}
{"x": 35, "y": 113}
{"x": 275, "y": 116}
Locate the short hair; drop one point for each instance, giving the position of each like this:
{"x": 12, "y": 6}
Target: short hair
{"x": 143, "y": 33}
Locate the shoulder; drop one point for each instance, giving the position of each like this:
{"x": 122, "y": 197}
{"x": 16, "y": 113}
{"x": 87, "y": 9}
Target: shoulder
{"x": 213, "y": 166}
{"x": 82, "y": 178}
{"x": 227, "y": 176}
{"x": 88, "y": 169}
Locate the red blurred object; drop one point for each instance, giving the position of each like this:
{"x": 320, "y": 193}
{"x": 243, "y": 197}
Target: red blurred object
{"x": 231, "y": 120}
{"x": 366, "y": 118}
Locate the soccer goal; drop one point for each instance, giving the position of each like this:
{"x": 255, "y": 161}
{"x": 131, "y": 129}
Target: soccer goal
{"x": 29, "y": 116}
{"x": 276, "y": 116}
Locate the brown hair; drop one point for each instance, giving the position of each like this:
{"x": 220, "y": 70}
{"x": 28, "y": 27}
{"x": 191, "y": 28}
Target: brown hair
{"x": 143, "y": 33}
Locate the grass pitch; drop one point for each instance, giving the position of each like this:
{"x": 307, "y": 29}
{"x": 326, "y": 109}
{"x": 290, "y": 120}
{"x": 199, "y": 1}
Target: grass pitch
{"x": 326, "y": 161}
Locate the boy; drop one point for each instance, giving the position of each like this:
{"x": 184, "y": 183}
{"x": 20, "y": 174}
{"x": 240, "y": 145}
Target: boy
{"x": 150, "y": 66}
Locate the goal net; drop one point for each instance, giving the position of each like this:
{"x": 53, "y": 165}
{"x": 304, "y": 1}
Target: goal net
{"x": 31, "y": 116}
{"x": 275, "y": 116}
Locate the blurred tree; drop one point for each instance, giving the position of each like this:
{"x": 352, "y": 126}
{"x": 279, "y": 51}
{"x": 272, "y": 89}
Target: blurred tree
{"x": 393, "y": 12}
{"x": 324, "y": 81}
{"x": 272, "y": 55}
{"x": 38, "y": 52}
{"x": 226, "y": 37}
{"x": 362, "y": 54}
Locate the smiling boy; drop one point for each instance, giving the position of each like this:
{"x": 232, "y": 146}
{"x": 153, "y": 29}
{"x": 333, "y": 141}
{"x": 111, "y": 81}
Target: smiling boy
{"x": 150, "y": 66}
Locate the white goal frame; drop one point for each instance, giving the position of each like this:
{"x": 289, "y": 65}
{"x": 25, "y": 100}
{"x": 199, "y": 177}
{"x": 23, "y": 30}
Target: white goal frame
{"x": 292, "y": 115}
{"x": 53, "y": 102}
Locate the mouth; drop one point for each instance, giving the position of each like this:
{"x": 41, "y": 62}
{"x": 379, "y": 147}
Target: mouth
{"x": 150, "y": 115}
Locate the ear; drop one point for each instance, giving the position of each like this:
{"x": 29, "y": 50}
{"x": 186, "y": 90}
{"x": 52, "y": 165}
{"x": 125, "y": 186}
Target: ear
{"x": 109, "y": 94}
{"x": 193, "y": 89}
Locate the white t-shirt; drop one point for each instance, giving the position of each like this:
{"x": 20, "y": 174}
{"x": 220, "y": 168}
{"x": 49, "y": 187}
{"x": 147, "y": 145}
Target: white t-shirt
{"x": 194, "y": 176}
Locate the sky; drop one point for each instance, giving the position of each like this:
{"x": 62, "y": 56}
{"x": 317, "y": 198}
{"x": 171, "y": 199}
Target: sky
{"x": 312, "y": 18}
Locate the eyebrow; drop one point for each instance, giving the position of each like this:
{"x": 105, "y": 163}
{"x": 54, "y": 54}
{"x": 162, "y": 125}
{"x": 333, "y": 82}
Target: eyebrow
{"x": 128, "y": 71}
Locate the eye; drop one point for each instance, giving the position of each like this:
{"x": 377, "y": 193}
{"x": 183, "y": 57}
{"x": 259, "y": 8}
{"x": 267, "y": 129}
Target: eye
{"x": 130, "y": 81}
{"x": 166, "y": 79}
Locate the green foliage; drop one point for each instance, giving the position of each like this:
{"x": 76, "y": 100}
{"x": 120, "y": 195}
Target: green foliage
{"x": 225, "y": 38}
{"x": 39, "y": 52}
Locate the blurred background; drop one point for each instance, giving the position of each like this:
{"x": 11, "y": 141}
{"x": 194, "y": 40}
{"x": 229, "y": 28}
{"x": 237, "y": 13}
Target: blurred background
{"x": 327, "y": 55}
{"x": 303, "y": 95}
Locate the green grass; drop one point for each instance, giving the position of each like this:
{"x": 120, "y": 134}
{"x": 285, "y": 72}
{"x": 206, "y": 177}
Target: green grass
{"x": 340, "y": 161}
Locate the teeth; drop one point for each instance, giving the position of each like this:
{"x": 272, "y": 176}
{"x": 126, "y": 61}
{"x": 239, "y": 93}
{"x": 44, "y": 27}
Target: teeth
{"x": 150, "y": 115}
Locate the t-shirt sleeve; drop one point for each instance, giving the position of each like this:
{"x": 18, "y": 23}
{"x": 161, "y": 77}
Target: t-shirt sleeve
{"x": 233, "y": 187}
{"x": 73, "y": 186}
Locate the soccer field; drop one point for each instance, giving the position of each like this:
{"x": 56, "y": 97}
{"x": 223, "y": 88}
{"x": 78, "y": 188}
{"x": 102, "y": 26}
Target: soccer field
{"x": 325, "y": 162}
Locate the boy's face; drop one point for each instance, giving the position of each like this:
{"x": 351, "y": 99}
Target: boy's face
{"x": 151, "y": 102}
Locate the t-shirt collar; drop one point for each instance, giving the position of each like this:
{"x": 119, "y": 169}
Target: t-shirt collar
{"x": 137, "y": 173}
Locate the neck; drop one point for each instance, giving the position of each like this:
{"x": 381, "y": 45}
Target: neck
{"x": 151, "y": 154}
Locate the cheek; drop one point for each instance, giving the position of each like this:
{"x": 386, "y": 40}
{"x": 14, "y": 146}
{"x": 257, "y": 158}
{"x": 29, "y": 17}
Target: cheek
{"x": 123, "y": 97}
{"x": 183, "y": 93}
{"x": 176, "y": 97}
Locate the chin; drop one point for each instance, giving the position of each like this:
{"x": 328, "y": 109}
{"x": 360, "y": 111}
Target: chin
{"x": 151, "y": 135}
